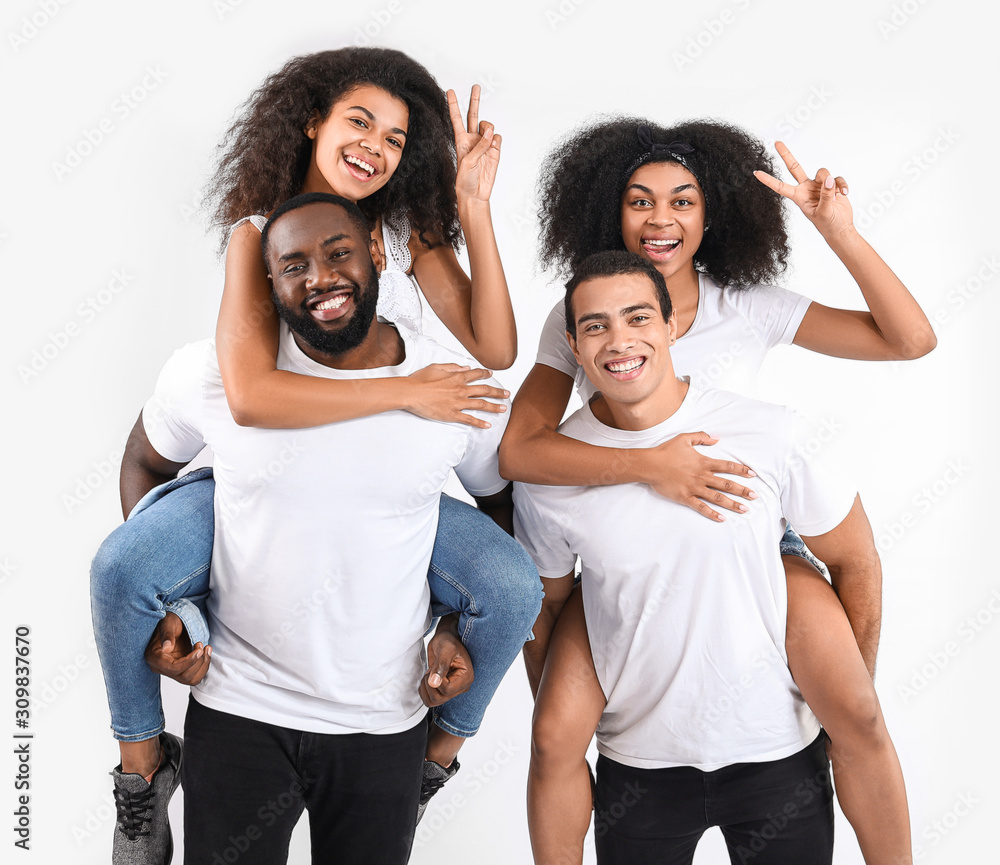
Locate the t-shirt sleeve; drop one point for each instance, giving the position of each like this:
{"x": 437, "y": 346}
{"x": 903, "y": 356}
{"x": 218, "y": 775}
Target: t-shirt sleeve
{"x": 539, "y": 532}
{"x": 553, "y": 348}
{"x": 774, "y": 313}
{"x": 817, "y": 494}
{"x": 479, "y": 468}
{"x": 172, "y": 417}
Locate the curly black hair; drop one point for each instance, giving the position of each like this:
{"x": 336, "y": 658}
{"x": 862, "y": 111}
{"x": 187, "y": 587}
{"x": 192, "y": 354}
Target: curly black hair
{"x": 265, "y": 154}
{"x": 585, "y": 175}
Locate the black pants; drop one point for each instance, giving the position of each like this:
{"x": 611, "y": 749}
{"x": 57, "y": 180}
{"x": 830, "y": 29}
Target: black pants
{"x": 246, "y": 784}
{"x": 775, "y": 813}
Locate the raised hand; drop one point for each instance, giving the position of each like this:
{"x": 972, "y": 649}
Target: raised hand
{"x": 446, "y": 392}
{"x": 822, "y": 199}
{"x": 477, "y": 149}
{"x": 171, "y": 654}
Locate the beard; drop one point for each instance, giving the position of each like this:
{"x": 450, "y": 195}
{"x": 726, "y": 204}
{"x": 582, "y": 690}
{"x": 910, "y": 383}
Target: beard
{"x": 350, "y": 336}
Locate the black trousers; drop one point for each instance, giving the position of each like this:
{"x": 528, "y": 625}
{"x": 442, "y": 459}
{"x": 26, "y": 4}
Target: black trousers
{"x": 774, "y": 813}
{"x": 246, "y": 784}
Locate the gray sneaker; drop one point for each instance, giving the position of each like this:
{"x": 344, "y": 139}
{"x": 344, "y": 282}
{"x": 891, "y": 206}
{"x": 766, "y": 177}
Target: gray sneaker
{"x": 434, "y": 777}
{"x": 142, "y": 833}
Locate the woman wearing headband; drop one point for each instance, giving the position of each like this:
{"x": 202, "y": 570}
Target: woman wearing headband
{"x": 698, "y": 201}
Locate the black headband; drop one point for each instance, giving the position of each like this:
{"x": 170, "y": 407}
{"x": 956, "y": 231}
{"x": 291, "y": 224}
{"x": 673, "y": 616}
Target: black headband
{"x": 676, "y": 150}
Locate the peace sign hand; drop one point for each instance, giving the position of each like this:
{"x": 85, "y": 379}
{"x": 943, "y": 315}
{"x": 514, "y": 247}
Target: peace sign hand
{"x": 823, "y": 200}
{"x": 477, "y": 149}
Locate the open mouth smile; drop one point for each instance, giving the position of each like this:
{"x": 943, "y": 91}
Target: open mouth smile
{"x": 329, "y": 305}
{"x": 360, "y": 168}
{"x": 660, "y": 249}
{"x": 625, "y": 370}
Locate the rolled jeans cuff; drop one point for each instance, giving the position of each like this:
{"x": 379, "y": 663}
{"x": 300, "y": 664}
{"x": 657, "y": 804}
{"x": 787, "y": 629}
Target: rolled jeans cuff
{"x": 188, "y": 610}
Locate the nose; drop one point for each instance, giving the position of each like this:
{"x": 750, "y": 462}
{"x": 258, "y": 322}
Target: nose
{"x": 661, "y": 216}
{"x": 619, "y": 338}
{"x": 324, "y": 276}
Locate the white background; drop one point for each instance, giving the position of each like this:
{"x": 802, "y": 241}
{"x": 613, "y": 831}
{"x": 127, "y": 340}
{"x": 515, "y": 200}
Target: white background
{"x": 891, "y": 95}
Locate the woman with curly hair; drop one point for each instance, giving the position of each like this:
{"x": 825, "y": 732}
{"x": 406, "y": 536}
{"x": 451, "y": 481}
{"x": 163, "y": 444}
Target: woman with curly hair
{"x": 685, "y": 198}
{"x": 373, "y": 126}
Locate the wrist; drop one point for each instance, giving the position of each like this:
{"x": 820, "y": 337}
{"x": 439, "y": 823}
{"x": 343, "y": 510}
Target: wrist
{"x": 471, "y": 209}
{"x": 844, "y": 239}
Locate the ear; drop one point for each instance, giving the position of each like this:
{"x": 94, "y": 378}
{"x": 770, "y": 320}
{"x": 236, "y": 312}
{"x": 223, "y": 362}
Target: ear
{"x": 312, "y": 124}
{"x": 572, "y": 346}
{"x": 672, "y": 326}
{"x": 376, "y": 255}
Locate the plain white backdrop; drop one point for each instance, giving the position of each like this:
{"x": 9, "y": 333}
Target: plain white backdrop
{"x": 112, "y": 111}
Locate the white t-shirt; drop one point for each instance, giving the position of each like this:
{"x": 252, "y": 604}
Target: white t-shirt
{"x": 686, "y": 616}
{"x": 323, "y": 538}
{"x": 732, "y": 331}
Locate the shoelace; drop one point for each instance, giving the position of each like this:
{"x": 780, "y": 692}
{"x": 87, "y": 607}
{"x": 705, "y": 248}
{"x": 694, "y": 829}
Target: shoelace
{"x": 133, "y": 812}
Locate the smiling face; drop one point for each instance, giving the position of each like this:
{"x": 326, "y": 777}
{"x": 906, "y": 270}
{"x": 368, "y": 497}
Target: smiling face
{"x": 357, "y": 147}
{"x": 322, "y": 266}
{"x": 663, "y": 217}
{"x": 623, "y": 342}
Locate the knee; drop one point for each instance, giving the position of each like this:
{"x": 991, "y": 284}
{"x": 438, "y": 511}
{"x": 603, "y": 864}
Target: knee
{"x": 112, "y": 573}
{"x": 551, "y": 748}
{"x": 508, "y": 582}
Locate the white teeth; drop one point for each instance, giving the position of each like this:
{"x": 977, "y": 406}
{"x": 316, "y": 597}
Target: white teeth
{"x": 662, "y": 242}
{"x": 626, "y": 365}
{"x": 363, "y": 165}
{"x": 336, "y": 303}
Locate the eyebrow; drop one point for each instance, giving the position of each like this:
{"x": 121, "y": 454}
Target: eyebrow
{"x": 288, "y": 256}
{"x": 625, "y": 310}
{"x": 649, "y": 191}
{"x": 371, "y": 117}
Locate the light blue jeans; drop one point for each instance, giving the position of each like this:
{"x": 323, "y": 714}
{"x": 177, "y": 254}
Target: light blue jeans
{"x": 158, "y": 561}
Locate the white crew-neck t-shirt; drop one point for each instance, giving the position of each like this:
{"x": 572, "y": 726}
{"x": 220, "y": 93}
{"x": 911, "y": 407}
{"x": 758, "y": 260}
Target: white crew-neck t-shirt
{"x": 686, "y": 616}
{"x": 323, "y": 537}
{"x": 732, "y": 332}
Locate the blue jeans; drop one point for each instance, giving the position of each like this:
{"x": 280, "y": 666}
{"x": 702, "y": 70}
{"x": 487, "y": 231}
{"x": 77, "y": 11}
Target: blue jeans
{"x": 792, "y": 545}
{"x": 158, "y": 561}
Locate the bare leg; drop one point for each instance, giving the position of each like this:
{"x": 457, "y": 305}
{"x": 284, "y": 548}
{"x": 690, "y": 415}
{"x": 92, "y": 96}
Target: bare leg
{"x": 568, "y": 708}
{"x": 140, "y": 758}
{"x": 442, "y": 747}
{"x": 828, "y": 668}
